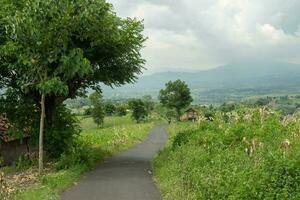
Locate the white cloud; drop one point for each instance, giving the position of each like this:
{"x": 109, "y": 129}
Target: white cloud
{"x": 199, "y": 34}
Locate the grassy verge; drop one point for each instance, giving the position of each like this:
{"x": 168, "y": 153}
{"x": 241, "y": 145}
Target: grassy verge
{"x": 246, "y": 154}
{"x": 119, "y": 133}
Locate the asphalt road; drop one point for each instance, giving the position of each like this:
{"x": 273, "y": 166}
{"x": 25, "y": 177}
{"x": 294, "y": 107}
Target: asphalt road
{"x": 126, "y": 176}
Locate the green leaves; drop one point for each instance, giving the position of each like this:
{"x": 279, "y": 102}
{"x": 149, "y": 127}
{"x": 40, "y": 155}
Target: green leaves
{"x": 81, "y": 43}
{"x": 53, "y": 86}
{"x": 176, "y": 95}
{"x": 74, "y": 64}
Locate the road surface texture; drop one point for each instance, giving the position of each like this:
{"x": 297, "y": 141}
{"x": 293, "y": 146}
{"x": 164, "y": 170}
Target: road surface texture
{"x": 126, "y": 176}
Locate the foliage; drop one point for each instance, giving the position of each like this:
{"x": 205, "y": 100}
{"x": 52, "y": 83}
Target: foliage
{"x": 59, "y": 49}
{"x": 139, "y": 110}
{"x": 121, "y": 110}
{"x": 78, "y": 46}
{"x": 88, "y": 111}
{"x": 23, "y": 162}
{"x": 79, "y": 153}
{"x": 98, "y": 108}
{"x": 148, "y": 102}
{"x": 176, "y": 96}
{"x": 21, "y": 112}
{"x": 254, "y": 154}
{"x": 170, "y": 115}
{"x": 285, "y": 104}
{"x": 60, "y": 137}
{"x": 110, "y": 108}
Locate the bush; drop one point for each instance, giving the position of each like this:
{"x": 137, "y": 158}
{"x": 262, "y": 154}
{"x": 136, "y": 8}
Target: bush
{"x": 110, "y": 109}
{"x": 60, "y": 136}
{"x": 79, "y": 153}
{"x": 121, "y": 110}
{"x": 88, "y": 111}
{"x": 98, "y": 111}
{"x": 24, "y": 114}
{"x": 23, "y": 162}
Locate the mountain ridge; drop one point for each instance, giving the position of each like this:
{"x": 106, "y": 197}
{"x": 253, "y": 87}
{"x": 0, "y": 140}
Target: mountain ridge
{"x": 253, "y": 76}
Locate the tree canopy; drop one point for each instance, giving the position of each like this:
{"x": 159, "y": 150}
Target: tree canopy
{"x": 63, "y": 47}
{"x": 52, "y": 50}
{"x": 176, "y": 96}
{"x": 139, "y": 109}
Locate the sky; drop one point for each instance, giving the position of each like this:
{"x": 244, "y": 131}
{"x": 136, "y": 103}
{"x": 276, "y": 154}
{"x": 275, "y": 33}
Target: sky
{"x": 188, "y": 35}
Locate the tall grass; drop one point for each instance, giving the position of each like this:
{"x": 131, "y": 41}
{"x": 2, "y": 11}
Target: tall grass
{"x": 245, "y": 154}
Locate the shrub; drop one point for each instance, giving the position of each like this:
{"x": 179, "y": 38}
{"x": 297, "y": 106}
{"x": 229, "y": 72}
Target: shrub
{"x": 79, "y": 153}
{"x": 88, "y": 111}
{"x": 98, "y": 108}
{"x": 121, "y": 110}
{"x": 24, "y": 114}
{"x": 60, "y": 136}
{"x": 23, "y": 162}
{"x": 110, "y": 108}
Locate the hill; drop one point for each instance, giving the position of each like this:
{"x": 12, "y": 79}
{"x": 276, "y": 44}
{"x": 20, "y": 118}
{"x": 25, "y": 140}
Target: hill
{"x": 226, "y": 83}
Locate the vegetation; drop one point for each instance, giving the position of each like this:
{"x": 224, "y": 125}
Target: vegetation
{"x": 92, "y": 145}
{"x": 97, "y": 110}
{"x": 139, "y": 110}
{"x": 176, "y": 96}
{"x": 110, "y": 108}
{"x": 49, "y": 54}
{"x": 121, "y": 110}
{"x": 247, "y": 153}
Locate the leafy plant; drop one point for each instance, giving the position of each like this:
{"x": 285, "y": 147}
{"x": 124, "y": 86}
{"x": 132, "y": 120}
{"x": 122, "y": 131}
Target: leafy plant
{"x": 139, "y": 110}
{"x": 98, "y": 108}
{"x": 176, "y": 96}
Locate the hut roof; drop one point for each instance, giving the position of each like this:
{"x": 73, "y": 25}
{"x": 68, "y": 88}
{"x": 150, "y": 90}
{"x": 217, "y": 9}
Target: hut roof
{"x": 192, "y": 110}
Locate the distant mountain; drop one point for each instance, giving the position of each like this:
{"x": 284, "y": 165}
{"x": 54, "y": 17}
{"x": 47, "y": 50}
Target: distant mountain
{"x": 230, "y": 82}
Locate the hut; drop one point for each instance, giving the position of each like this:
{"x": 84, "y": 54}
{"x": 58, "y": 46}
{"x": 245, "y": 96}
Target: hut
{"x": 11, "y": 147}
{"x": 190, "y": 114}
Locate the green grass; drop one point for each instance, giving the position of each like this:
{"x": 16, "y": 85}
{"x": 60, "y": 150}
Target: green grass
{"x": 119, "y": 133}
{"x": 212, "y": 160}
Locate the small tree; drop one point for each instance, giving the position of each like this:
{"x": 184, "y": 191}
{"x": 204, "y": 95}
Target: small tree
{"x": 139, "y": 110}
{"x": 98, "y": 108}
{"x": 176, "y": 96}
{"x": 147, "y": 99}
{"x": 110, "y": 108}
{"x": 121, "y": 110}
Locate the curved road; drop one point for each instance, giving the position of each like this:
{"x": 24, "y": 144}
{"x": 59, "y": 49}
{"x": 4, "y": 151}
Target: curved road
{"x": 126, "y": 176}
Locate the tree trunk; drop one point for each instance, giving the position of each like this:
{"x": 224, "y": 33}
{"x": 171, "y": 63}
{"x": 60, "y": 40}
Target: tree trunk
{"x": 50, "y": 109}
{"x": 178, "y": 114}
{"x": 41, "y": 136}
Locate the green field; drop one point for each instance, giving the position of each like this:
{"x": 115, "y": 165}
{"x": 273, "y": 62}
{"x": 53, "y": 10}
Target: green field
{"x": 246, "y": 154}
{"x": 118, "y": 133}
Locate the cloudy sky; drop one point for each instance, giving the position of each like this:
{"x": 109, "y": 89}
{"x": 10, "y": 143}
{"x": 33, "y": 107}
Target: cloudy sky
{"x": 202, "y": 34}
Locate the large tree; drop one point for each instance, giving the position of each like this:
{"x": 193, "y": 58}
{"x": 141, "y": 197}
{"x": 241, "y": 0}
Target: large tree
{"x": 76, "y": 44}
{"x": 51, "y": 50}
{"x": 176, "y": 96}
